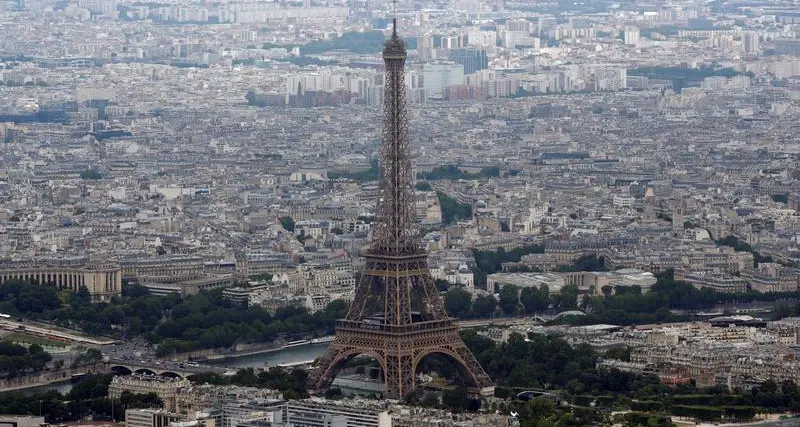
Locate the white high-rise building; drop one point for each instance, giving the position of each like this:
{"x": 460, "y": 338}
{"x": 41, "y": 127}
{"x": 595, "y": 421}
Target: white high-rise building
{"x": 438, "y": 76}
{"x": 750, "y": 42}
{"x": 537, "y": 212}
{"x": 479, "y": 38}
{"x": 451, "y": 42}
{"x": 631, "y": 36}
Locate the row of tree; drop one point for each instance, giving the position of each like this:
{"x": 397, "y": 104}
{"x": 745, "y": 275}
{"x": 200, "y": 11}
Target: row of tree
{"x": 488, "y": 262}
{"x": 615, "y": 305}
{"x": 176, "y": 324}
{"x": 16, "y": 360}
{"x": 371, "y": 174}
{"x": 207, "y": 320}
{"x": 740, "y": 246}
{"x": 452, "y": 210}
{"x": 511, "y": 301}
{"x": 453, "y": 172}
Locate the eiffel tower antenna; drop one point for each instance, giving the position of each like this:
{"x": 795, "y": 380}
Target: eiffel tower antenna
{"x": 397, "y": 315}
{"x": 394, "y": 18}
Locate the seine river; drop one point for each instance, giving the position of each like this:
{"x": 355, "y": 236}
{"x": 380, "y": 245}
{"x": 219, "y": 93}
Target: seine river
{"x": 304, "y": 353}
{"x": 62, "y": 387}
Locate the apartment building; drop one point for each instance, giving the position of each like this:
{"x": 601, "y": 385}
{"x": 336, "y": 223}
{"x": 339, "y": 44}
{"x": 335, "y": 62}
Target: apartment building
{"x": 166, "y": 388}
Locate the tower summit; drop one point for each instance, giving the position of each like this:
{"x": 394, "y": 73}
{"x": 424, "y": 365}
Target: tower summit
{"x": 397, "y": 315}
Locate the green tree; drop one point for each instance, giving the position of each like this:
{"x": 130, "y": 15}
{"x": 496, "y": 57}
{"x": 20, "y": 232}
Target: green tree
{"x": 135, "y": 400}
{"x": 567, "y": 299}
{"x": 484, "y": 306}
{"x": 538, "y": 410}
{"x": 430, "y": 400}
{"x": 91, "y": 174}
{"x": 574, "y": 387}
{"x": 619, "y": 353}
{"x": 509, "y": 299}
{"x": 457, "y": 302}
{"x": 334, "y": 393}
{"x": 487, "y": 262}
{"x": 362, "y": 176}
{"x": 442, "y": 285}
{"x": 16, "y": 360}
{"x": 90, "y": 387}
{"x": 423, "y": 186}
{"x": 80, "y": 298}
{"x": 287, "y": 223}
{"x": 456, "y": 400}
{"x": 534, "y": 299}
{"x": 90, "y": 357}
{"x": 452, "y": 210}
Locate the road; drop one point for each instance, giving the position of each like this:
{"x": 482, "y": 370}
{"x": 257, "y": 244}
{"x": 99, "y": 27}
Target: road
{"x": 166, "y": 366}
{"x": 44, "y": 330}
{"x": 499, "y": 321}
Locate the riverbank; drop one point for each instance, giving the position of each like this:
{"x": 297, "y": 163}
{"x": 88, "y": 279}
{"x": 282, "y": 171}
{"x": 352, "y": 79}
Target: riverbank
{"x": 279, "y": 357}
{"x": 62, "y": 387}
{"x": 221, "y": 357}
{"x": 50, "y": 378}
{"x": 239, "y": 354}
{"x": 257, "y": 358}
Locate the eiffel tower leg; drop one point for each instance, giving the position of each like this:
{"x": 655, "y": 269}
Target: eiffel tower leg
{"x": 362, "y": 299}
{"x": 336, "y": 355}
{"x": 321, "y": 378}
{"x": 470, "y": 363}
{"x": 435, "y": 304}
{"x": 455, "y": 349}
{"x": 400, "y": 379}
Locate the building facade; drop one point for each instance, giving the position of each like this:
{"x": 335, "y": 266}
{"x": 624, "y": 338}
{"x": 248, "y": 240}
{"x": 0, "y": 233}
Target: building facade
{"x": 166, "y": 388}
{"x": 103, "y": 281}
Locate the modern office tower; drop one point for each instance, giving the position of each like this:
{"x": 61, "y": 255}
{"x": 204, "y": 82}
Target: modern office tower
{"x": 787, "y": 47}
{"x": 480, "y": 38}
{"x": 472, "y": 59}
{"x": 522, "y": 25}
{"x": 381, "y": 321}
{"x": 631, "y": 36}
{"x": 750, "y": 42}
{"x": 425, "y": 47}
{"x": 451, "y": 42}
{"x": 438, "y": 76}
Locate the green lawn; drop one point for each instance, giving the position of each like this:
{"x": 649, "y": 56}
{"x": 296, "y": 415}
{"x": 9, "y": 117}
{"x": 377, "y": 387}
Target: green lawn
{"x": 30, "y": 339}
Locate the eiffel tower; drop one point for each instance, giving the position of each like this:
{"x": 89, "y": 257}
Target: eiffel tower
{"x": 397, "y": 315}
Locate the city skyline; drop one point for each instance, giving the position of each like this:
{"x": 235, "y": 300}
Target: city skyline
{"x": 606, "y": 195}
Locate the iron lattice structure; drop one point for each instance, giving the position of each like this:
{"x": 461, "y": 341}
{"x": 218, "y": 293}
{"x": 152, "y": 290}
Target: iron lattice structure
{"x": 397, "y": 315}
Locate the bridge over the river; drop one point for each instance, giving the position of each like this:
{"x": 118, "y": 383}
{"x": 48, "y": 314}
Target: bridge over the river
{"x": 166, "y": 369}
